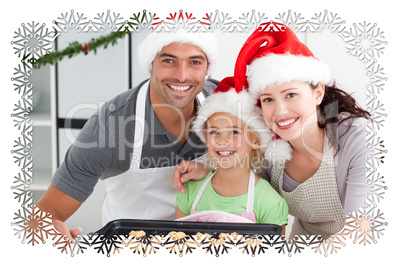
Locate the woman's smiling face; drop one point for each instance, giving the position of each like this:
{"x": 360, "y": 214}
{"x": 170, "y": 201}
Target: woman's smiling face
{"x": 291, "y": 108}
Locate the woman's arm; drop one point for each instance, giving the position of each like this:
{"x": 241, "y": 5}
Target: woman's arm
{"x": 351, "y": 166}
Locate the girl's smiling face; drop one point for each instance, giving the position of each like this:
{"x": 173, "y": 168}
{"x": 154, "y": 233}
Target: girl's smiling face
{"x": 230, "y": 142}
{"x": 290, "y": 109}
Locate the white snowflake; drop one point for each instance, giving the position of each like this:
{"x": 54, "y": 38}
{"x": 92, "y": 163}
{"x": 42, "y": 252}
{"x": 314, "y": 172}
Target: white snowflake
{"x": 22, "y": 81}
{"x": 364, "y": 41}
{"x": 21, "y": 188}
{"x": 251, "y": 20}
{"x": 327, "y": 20}
{"x": 32, "y": 41}
{"x": 21, "y": 152}
{"x": 108, "y": 20}
{"x": 377, "y": 77}
{"x": 223, "y": 21}
{"x": 77, "y": 21}
{"x": 71, "y": 20}
{"x": 293, "y": 20}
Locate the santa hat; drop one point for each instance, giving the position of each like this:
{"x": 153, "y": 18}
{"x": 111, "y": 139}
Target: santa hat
{"x": 155, "y": 41}
{"x": 275, "y": 55}
{"x": 226, "y": 99}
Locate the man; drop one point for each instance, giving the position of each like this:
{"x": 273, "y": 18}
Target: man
{"x": 136, "y": 140}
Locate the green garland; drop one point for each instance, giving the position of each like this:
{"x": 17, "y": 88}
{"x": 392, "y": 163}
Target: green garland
{"x": 76, "y": 48}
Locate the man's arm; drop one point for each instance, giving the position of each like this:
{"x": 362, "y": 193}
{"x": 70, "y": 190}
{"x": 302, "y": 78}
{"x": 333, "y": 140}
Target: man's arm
{"x": 61, "y": 206}
{"x": 188, "y": 170}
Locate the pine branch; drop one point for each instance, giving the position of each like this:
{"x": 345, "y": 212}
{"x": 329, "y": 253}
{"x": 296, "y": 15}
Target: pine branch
{"x": 76, "y": 48}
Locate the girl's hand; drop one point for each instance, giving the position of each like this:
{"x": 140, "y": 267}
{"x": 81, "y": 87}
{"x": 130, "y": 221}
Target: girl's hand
{"x": 188, "y": 170}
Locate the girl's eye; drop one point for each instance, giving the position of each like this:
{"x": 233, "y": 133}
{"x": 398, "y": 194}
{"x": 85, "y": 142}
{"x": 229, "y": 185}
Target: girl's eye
{"x": 291, "y": 95}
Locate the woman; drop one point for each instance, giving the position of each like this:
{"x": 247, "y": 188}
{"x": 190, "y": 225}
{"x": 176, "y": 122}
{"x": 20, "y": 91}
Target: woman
{"x": 325, "y": 178}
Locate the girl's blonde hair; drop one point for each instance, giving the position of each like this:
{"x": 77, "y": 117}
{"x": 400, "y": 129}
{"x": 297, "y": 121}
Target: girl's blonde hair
{"x": 257, "y": 157}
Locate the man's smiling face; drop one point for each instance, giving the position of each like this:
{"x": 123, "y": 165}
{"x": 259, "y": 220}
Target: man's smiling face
{"x": 178, "y": 74}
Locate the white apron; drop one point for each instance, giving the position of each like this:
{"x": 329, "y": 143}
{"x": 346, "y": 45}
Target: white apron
{"x": 141, "y": 193}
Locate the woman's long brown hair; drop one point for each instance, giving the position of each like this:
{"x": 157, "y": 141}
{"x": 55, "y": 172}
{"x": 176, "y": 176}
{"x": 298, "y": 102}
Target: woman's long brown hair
{"x": 335, "y": 102}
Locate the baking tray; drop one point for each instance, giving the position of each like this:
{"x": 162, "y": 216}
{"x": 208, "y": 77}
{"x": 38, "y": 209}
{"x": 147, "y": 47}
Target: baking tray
{"x": 160, "y": 227}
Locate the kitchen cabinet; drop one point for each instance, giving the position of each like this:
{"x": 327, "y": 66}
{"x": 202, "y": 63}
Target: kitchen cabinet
{"x": 71, "y": 91}
{"x": 43, "y": 121}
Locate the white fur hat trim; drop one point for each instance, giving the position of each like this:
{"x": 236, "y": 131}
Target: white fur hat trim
{"x": 155, "y": 41}
{"x": 280, "y": 68}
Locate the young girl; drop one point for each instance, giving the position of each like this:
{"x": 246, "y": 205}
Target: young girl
{"x": 236, "y": 137}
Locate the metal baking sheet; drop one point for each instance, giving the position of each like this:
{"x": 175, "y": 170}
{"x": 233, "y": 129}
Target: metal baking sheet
{"x": 158, "y": 227}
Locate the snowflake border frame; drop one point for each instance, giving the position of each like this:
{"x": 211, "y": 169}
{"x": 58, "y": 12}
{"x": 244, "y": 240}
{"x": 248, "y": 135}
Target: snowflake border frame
{"x": 363, "y": 40}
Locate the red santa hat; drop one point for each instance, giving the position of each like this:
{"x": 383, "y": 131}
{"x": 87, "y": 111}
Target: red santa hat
{"x": 273, "y": 55}
{"x": 155, "y": 41}
{"x": 226, "y": 99}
